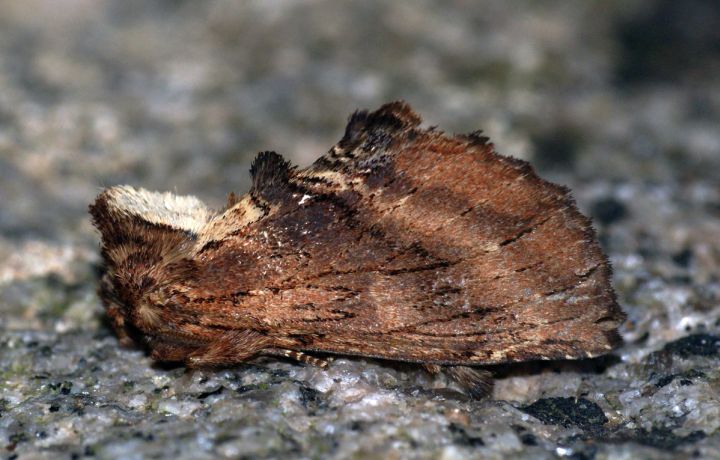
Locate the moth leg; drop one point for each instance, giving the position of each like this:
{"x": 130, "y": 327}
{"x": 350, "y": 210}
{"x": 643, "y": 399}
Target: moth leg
{"x": 229, "y": 348}
{"x": 117, "y": 320}
{"x": 297, "y": 356}
{"x": 477, "y": 382}
{"x": 169, "y": 352}
{"x": 114, "y": 311}
{"x": 433, "y": 369}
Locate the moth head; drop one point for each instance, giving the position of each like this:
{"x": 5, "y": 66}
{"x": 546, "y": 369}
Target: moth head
{"x": 146, "y": 237}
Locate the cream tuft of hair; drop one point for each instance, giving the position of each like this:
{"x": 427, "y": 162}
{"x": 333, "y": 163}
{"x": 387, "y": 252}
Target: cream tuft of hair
{"x": 181, "y": 212}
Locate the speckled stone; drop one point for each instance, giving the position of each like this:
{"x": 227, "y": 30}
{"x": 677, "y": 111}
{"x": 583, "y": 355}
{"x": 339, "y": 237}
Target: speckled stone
{"x": 618, "y": 100}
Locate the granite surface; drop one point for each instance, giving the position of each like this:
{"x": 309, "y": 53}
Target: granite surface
{"x": 617, "y": 99}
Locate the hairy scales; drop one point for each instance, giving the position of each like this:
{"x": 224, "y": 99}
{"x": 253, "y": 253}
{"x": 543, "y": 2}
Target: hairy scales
{"x": 401, "y": 243}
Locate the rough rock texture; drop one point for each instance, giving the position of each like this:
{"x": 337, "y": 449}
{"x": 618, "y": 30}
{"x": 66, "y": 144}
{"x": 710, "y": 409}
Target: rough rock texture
{"x": 618, "y": 100}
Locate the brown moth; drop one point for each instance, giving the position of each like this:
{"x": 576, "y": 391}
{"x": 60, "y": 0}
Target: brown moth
{"x": 400, "y": 243}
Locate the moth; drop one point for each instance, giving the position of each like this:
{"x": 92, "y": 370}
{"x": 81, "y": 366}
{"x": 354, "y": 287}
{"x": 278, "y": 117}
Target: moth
{"x": 400, "y": 243}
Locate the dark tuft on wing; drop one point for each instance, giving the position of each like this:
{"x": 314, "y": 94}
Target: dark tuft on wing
{"x": 270, "y": 174}
{"x": 373, "y": 130}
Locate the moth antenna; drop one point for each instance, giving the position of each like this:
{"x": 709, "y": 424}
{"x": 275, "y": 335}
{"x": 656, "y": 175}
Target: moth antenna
{"x": 298, "y": 356}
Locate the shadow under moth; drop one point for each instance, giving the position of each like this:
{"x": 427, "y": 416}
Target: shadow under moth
{"x": 400, "y": 243}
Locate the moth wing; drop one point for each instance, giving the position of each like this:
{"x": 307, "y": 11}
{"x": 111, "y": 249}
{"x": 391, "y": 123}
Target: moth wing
{"x": 408, "y": 244}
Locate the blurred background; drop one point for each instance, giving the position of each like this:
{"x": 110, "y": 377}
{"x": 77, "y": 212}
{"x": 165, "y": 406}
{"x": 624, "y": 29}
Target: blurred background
{"x": 180, "y": 95}
{"x": 618, "y": 99}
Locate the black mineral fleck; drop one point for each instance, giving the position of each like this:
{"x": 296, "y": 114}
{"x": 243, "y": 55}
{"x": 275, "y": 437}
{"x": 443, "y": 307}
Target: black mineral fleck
{"x": 695, "y": 345}
{"x": 568, "y": 412}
